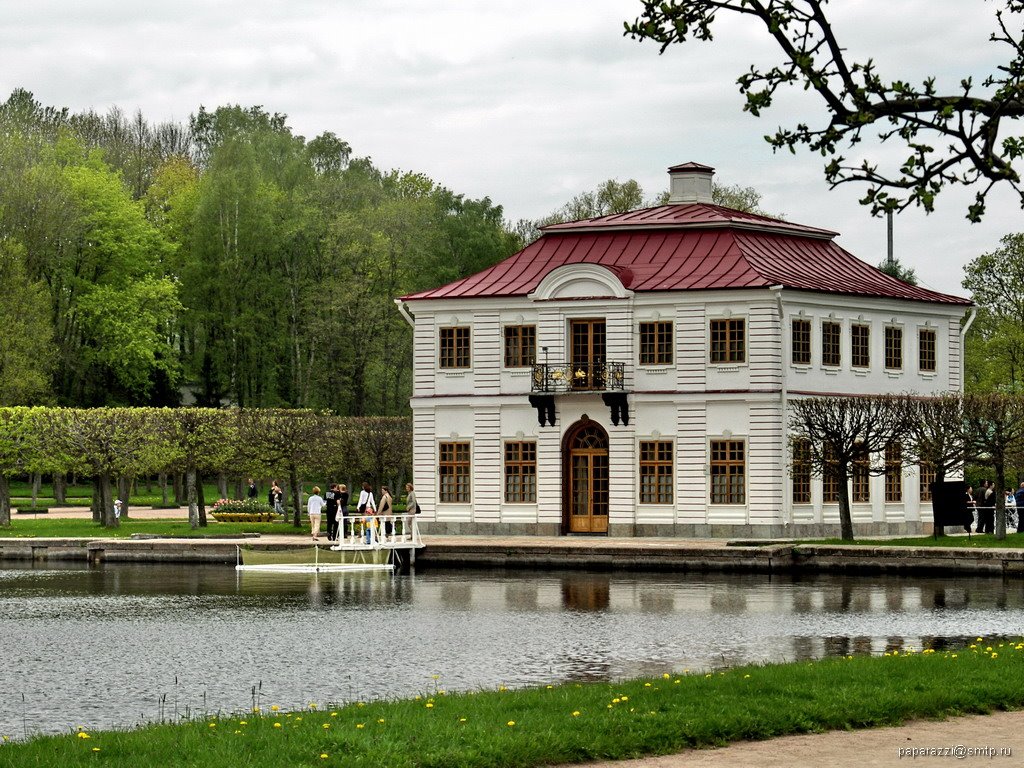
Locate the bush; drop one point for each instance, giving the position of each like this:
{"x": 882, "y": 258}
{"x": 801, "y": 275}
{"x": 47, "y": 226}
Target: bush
{"x": 31, "y": 510}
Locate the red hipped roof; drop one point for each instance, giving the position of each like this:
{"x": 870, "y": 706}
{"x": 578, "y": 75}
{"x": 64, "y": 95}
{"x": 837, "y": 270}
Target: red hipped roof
{"x": 691, "y": 246}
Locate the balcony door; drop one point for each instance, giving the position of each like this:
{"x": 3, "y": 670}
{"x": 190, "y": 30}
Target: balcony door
{"x": 588, "y": 354}
{"x": 585, "y": 453}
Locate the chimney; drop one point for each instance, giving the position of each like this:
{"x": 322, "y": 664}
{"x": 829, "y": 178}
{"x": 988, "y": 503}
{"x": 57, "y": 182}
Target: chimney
{"x": 690, "y": 183}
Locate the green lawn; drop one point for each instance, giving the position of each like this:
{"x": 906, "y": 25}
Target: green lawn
{"x": 26, "y": 527}
{"x": 976, "y": 541}
{"x": 566, "y": 723}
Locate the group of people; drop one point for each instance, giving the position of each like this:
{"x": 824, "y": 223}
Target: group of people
{"x": 336, "y": 502}
{"x": 982, "y": 505}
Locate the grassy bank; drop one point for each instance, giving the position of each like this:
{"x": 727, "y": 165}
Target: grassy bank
{"x": 570, "y": 722}
{"x": 975, "y": 541}
{"x": 75, "y": 528}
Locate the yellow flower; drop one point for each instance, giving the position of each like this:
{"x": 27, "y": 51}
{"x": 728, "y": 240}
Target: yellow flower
{"x": 666, "y": 675}
{"x": 275, "y": 708}
{"x": 502, "y": 688}
{"x": 647, "y": 685}
{"x": 550, "y": 687}
{"x": 297, "y": 719}
{"x": 325, "y": 726}
{"x": 334, "y": 714}
{"x": 430, "y": 705}
{"x": 625, "y": 698}
{"x": 363, "y": 703}
{"x": 312, "y": 705}
{"x": 243, "y": 722}
{"x": 676, "y": 681}
{"x": 324, "y": 755}
{"x": 615, "y": 701}
{"x": 360, "y": 726}
{"x": 213, "y": 725}
{"x": 381, "y": 720}
{"x": 511, "y": 723}
{"x": 255, "y": 709}
{"x": 84, "y": 735}
{"x": 576, "y": 713}
{"x": 277, "y": 725}
{"x": 95, "y": 749}
{"x": 746, "y": 677}
{"x": 462, "y": 719}
{"x": 994, "y": 654}
{"x": 436, "y": 677}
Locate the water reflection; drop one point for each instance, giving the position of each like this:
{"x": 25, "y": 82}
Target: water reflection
{"x": 129, "y": 637}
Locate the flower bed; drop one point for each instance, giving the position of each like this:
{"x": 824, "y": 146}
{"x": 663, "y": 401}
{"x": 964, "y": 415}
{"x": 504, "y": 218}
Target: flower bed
{"x": 248, "y": 511}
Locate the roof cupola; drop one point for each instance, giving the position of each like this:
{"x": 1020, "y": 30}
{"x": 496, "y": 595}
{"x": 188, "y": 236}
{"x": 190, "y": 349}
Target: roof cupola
{"x": 690, "y": 183}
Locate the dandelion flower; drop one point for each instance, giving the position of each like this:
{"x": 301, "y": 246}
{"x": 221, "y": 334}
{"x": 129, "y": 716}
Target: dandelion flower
{"x": 381, "y": 720}
{"x": 647, "y": 685}
{"x": 360, "y": 726}
{"x": 430, "y": 705}
{"x": 666, "y": 675}
{"x": 84, "y": 735}
{"x": 277, "y": 725}
{"x": 275, "y": 708}
{"x": 462, "y": 719}
{"x": 625, "y": 698}
{"x": 334, "y": 714}
{"x": 213, "y": 725}
{"x": 511, "y": 723}
{"x": 324, "y": 755}
{"x": 95, "y": 749}
{"x": 576, "y": 713}
{"x": 243, "y": 722}
{"x": 312, "y": 705}
{"x": 325, "y": 726}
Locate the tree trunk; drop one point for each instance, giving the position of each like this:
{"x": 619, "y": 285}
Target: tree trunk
{"x": 179, "y": 491}
{"x": 238, "y": 488}
{"x": 1000, "y": 499}
{"x": 37, "y": 482}
{"x": 163, "y": 487}
{"x": 193, "y": 507}
{"x": 149, "y": 484}
{"x": 937, "y": 530}
{"x": 222, "y": 485}
{"x": 845, "y": 518}
{"x": 107, "y": 501}
{"x": 97, "y": 501}
{"x": 201, "y": 500}
{"x": 293, "y": 478}
{"x": 124, "y": 490}
{"x": 60, "y": 488}
{"x": 5, "y": 502}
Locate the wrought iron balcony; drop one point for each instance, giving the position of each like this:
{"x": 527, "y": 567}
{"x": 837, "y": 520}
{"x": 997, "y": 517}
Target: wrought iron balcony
{"x": 578, "y": 377}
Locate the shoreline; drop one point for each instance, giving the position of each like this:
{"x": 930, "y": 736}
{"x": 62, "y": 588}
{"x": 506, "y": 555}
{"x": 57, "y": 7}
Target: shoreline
{"x": 551, "y": 553}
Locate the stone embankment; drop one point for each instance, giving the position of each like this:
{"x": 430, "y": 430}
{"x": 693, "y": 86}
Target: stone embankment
{"x": 560, "y": 552}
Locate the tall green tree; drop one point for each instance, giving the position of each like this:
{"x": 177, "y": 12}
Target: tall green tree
{"x": 26, "y": 350}
{"x": 994, "y": 355}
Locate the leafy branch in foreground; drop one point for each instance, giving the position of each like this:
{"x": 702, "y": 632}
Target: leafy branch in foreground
{"x": 955, "y": 138}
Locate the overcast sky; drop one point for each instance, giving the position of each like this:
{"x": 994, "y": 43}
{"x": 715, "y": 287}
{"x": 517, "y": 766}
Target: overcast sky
{"x": 528, "y": 102}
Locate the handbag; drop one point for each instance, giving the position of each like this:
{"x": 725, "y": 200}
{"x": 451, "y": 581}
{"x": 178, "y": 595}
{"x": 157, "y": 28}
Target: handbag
{"x": 418, "y": 510}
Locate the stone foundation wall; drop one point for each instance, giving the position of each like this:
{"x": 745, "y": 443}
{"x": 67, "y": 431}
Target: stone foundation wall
{"x": 680, "y": 531}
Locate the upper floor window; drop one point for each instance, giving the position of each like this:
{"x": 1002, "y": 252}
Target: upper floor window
{"x": 893, "y": 347}
{"x": 656, "y": 343}
{"x": 801, "y": 342}
{"x": 454, "y": 347}
{"x": 860, "y": 345}
{"x": 520, "y": 346}
{"x": 926, "y": 350}
{"x": 655, "y": 471}
{"x": 728, "y": 341}
{"x": 453, "y": 473}
{"x": 728, "y": 472}
{"x": 521, "y": 472}
{"x": 831, "y": 341}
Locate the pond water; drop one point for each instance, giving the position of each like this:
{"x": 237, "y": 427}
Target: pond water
{"x": 121, "y": 644}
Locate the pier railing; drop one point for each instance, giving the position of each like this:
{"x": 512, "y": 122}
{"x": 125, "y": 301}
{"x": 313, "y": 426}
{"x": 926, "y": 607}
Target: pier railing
{"x": 391, "y": 531}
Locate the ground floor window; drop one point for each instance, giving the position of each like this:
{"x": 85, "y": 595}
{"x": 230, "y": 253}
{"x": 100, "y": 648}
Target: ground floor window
{"x": 521, "y": 472}
{"x": 656, "y": 472}
{"x": 894, "y": 473}
{"x": 453, "y": 471}
{"x": 860, "y": 469}
{"x": 728, "y": 472}
{"x": 801, "y": 471}
{"x": 927, "y": 475}
{"x": 829, "y": 480}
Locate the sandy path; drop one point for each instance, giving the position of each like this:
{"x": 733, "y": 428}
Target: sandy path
{"x": 991, "y": 736}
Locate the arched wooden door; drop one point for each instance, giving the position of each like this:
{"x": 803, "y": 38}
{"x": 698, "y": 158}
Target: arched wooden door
{"x": 585, "y": 492}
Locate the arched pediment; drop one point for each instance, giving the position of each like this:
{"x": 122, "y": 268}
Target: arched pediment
{"x": 582, "y": 281}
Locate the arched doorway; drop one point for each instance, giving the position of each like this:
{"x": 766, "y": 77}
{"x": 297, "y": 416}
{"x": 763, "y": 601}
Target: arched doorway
{"x": 585, "y": 484}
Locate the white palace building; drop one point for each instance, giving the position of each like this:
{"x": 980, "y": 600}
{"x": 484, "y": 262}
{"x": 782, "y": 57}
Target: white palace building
{"x": 630, "y": 375}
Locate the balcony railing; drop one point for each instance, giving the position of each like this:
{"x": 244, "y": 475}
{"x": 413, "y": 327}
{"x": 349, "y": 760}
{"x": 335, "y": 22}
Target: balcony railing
{"x": 578, "y": 377}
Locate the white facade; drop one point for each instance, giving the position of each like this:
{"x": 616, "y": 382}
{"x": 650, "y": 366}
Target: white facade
{"x": 471, "y": 406}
